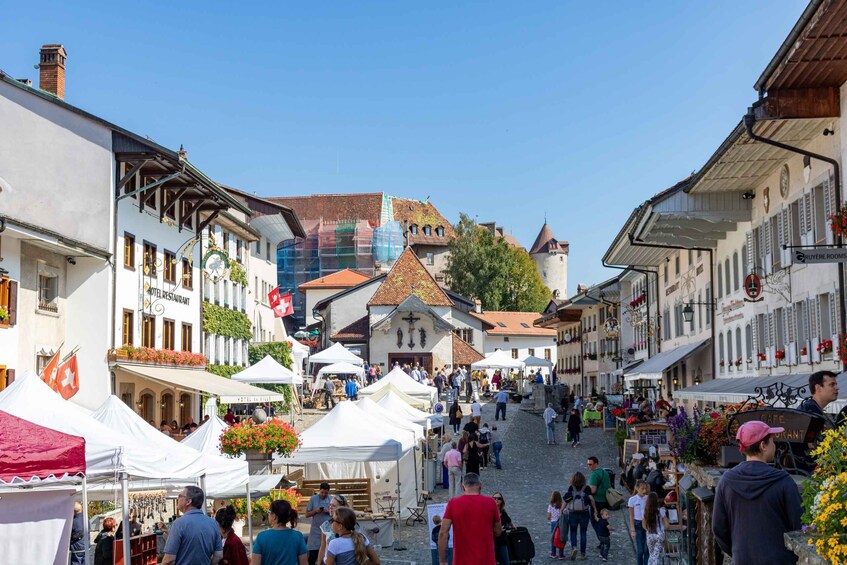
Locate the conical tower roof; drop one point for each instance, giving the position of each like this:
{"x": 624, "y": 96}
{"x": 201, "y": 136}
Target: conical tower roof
{"x": 545, "y": 237}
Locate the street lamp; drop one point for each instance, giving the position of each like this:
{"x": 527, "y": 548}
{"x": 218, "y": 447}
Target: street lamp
{"x": 688, "y": 311}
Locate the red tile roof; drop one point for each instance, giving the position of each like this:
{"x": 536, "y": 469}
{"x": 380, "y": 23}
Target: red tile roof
{"x": 421, "y": 214}
{"x": 408, "y": 276}
{"x": 514, "y": 323}
{"x": 341, "y": 279}
{"x": 357, "y": 331}
{"x": 463, "y": 353}
{"x": 334, "y": 207}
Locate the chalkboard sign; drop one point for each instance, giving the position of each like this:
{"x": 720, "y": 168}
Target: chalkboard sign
{"x": 630, "y": 448}
{"x": 655, "y": 435}
{"x": 608, "y": 420}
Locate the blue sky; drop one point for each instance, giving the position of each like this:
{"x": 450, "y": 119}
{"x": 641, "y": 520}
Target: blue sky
{"x": 503, "y": 110}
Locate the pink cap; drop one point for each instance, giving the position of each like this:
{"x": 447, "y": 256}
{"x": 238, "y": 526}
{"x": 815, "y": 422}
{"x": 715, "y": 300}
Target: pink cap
{"x": 753, "y": 432}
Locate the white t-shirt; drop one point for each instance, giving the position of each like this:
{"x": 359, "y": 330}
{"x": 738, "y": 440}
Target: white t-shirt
{"x": 637, "y": 503}
{"x": 476, "y": 409}
{"x": 554, "y": 512}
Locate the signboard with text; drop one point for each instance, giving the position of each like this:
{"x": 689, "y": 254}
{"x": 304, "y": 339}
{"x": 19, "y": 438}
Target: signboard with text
{"x": 819, "y": 255}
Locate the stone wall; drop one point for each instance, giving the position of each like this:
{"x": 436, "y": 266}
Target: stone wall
{"x": 806, "y": 555}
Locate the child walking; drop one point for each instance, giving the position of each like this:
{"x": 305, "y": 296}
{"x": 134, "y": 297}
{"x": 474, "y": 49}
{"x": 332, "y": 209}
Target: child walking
{"x": 654, "y": 525}
{"x": 636, "y": 505}
{"x": 554, "y": 510}
{"x": 603, "y": 534}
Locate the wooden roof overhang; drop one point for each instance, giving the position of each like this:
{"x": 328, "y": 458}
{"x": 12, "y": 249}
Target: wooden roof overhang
{"x": 561, "y": 316}
{"x": 188, "y": 195}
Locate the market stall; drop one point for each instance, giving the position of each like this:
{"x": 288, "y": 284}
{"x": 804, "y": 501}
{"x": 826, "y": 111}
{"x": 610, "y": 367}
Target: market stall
{"x": 337, "y": 353}
{"x": 395, "y": 404}
{"x": 268, "y": 371}
{"x": 399, "y": 379}
{"x": 501, "y": 360}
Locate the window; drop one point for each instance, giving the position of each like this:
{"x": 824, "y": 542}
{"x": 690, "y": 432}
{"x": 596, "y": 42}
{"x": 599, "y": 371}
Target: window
{"x": 748, "y": 334}
{"x": 169, "y": 268}
{"x": 666, "y": 274}
{"x": 501, "y": 324}
{"x": 129, "y": 251}
{"x": 258, "y": 247}
{"x": 149, "y": 259}
{"x": 168, "y": 334}
{"x": 721, "y": 358}
{"x": 514, "y": 353}
{"x": 187, "y": 275}
{"x": 708, "y": 305}
{"x": 131, "y": 184}
{"x": 238, "y": 256}
{"x": 127, "y": 327}
{"x": 268, "y": 250}
{"x": 439, "y": 231}
{"x": 727, "y": 275}
{"x": 547, "y": 353}
{"x": 699, "y": 254}
{"x": 9, "y": 301}
{"x": 720, "y": 280}
{"x": 186, "y": 337}
{"x": 430, "y": 258}
{"x": 427, "y": 230}
{"x": 676, "y": 265}
{"x": 413, "y": 229}
{"x": 729, "y": 358}
{"x": 48, "y": 292}
{"x": 148, "y": 331}
{"x": 226, "y": 243}
{"x": 525, "y": 325}
{"x": 531, "y": 351}
{"x": 738, "y": 350}
{"x": 465, "y": 334}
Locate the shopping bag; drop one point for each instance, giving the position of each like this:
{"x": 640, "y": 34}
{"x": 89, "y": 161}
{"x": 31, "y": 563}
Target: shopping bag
{"x": 614, "y": 498}
{"x": 557, "y": 543}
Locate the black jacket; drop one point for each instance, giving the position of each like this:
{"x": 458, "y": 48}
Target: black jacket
{"x": 755, "y": 505}
{"x": 574, "y": 423}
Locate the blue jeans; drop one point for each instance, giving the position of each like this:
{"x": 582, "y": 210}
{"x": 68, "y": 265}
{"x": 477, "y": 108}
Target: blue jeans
{"x": 552, "y": 546}
{"x": 498, "y": 445}
{"x": 641, "y": 553}
{"x": 449, "y": 556}
{"x": 501, "y": 554}
{"x": 551, "y": 432}
{"x": 501, "y": 407}
{"x": 579, "y": 520}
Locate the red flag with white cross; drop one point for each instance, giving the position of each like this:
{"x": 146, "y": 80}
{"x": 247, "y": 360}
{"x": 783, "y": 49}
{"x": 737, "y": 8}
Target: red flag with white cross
{"x": 273, "y": 297}
{"x": 51, "y": 370}
{"x": 67, "y": 381}
{"x": 285, "y": 307}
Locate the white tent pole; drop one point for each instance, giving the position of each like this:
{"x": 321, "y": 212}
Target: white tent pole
{"x": 249, "y": 516}
{"x": 125, "y": 514}
{"x": 203, "y": 486}
{"x": 398, "y": 545}
{"x": 85, "y": 526}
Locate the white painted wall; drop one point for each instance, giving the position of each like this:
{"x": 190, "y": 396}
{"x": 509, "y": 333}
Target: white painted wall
{"x": 54, "y": 159}
{"x": 315, "y": 295}
{"x": 438, "y": 342}
{"x": 523, "y": 344}
{"x": 262, "y": 274}
{"x": 463, "y": 320}
{"x": 347, "y": 309}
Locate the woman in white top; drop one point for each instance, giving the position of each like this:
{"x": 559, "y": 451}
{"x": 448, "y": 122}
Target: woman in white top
{"x": 349, "y": 546}
{"x": 554, "y": 510}
{"x": 327, "y": 533}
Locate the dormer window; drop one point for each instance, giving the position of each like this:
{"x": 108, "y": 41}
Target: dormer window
{"x": 413, "y": 229}
{"x": 439, "y": 231}
{"x": 427, "y": 230}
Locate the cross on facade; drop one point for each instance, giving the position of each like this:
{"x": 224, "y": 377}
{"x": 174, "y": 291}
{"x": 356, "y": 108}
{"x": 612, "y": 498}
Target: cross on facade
{"x": 411, "y": 318}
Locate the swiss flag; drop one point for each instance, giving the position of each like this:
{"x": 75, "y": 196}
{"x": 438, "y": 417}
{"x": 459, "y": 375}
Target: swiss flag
{"x": 51, "y": 371}
{"x": 273, "y": 297}
{"x": 284, "y": 307}
{"x": 67, "y": 382}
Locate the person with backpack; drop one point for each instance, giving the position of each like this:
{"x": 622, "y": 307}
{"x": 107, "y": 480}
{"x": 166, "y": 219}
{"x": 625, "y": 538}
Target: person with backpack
{"x": 485, "y": 444}
{"x": 580, "y": 506}
{"x": 654, "y": 525}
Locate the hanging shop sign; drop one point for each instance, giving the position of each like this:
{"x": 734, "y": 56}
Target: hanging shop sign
{"x": 215, "y": 264}
{"x": 819, "y": 255}
{"x": 167, "y": 295}
{"x": 753, "y": 287}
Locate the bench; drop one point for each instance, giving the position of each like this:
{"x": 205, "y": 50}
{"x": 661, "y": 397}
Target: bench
{"x": 356, "y": 491}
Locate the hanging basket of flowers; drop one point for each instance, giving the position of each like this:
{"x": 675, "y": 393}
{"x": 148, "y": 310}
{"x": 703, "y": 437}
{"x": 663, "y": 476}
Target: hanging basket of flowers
{"x": 838, "y": 222}
{"x": 842, "y": 347}
{"x": 273, "y": 436}
{"x": 762, "y": 356}
{"x": 780, "y": 354}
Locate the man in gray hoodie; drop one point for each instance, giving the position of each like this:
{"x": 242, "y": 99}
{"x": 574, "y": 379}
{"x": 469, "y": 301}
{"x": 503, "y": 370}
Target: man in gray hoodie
{"x": 755, "y": 504}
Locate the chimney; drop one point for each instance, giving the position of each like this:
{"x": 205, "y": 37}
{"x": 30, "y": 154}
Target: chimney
{"x": 581, "y": 288}
{"x": 52, "y": 69}
{"x": 477, "y": 305}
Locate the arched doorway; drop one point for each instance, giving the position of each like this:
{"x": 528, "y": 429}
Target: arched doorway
{"x": 167, "y": 406}
{"x": 184, "y": 408}
{"x": 147, "y": 404}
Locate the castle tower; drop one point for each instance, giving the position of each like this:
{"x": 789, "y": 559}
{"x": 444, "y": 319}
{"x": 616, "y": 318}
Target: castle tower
{"x": 551, "y": 260}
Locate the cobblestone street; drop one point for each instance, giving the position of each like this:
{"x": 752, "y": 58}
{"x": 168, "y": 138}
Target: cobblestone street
{"x": 531, "y": 471}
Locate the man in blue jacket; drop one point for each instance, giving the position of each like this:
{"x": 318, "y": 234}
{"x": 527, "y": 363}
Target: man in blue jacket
{"x": 755, "y": 504}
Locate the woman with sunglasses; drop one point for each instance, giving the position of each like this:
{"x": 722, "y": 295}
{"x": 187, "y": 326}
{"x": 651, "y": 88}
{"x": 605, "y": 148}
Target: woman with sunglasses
{"x": 349, "y": 546}
{"x": 501, "y": 543}
{"x": 327, "y": 534}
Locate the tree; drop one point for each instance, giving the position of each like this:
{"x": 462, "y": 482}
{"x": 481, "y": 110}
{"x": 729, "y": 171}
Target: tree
{"x": 484, "y": 267}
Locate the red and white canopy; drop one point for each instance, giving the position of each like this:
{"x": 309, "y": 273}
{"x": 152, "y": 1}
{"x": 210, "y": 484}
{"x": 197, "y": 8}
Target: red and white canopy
{"x": 31, "y": 452}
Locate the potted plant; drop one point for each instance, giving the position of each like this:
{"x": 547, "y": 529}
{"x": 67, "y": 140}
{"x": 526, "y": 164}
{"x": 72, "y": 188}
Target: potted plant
{"x": 780, "y": 354}
{"x": 738, "y": 362}
{"x": 825, "y": 346}
{"x": 258, "y": 442}
{"x": 762, "y": 356}
{"x": 722, "y": 363}
{"x": 4, "y": 314}
{"x": 838, "y": 222}
{"x": 823, "y": 495}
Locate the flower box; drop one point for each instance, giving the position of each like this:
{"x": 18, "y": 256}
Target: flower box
{"x": 150, "y": 356}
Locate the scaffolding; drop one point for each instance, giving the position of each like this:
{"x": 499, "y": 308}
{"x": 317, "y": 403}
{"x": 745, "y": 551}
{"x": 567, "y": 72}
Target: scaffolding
{"x": 332, "y": 246}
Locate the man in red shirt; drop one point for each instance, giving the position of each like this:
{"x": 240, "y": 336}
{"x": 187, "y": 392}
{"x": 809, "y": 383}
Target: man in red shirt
{"x": 475, "y": 521}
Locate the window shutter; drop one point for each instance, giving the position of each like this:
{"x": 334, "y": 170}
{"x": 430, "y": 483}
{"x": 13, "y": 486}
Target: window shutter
{"x": 13, "y": 303}
{"x": 785, "y": 237}
{"x": 816, "y": 331}
{"x": 814, "y": 309}
{"x": 789, "y": 324}
{"x": 750, "y": 250}
{"x": 754, "y": 328}
{"x": 809, "y": 218}
{"x": 767, "y": 328}
{"x": 10, "y": 376}
{"x": 833, "y": 315}
{"x": 768, "y": 252}
{"x": 828, "y": 208}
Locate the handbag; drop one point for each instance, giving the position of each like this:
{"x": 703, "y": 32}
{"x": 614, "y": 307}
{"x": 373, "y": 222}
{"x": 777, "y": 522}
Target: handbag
{"x": 459, "y": 414}
{"x": 557, "y": 542}
{"x": 614, "y": 498}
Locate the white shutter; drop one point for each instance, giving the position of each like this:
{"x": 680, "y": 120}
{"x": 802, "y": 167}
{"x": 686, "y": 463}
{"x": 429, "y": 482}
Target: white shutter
{"x": 751, "y": 248}
{"x": 833, "y": 316}
{"x": 809, "y": 219}
{"x": 768, "y": 252}
{"x": 828, "y": 208}
{"x": 787, "y": 342}
{"x": 754, "y": 328}
{"x": 816, "y": 333}
{"x": 772, "y": 329}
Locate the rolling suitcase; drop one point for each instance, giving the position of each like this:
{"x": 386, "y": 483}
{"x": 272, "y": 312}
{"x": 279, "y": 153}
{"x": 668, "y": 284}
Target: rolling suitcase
{"x": 521, "y": 546}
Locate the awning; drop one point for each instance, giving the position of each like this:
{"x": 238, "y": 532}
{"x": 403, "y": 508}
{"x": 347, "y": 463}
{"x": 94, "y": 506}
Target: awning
{"x": 654, "y": 367}
{"x": 627, "y": 368}
{"x": 227, "y": 391}
{"x": 733, "y": 390}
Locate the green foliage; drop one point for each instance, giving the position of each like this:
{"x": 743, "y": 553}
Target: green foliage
{"x": 223, "y": 321}
{"x": 224, "y": 370}
{"x": 620, "y": 435}
{"x": 237, "y": 273}
{"x": 485, "y": 267}
{"x": 281, "y": 353}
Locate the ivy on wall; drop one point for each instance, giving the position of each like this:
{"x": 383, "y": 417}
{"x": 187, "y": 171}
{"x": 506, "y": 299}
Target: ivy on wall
{"x": 226, "y": 322}
{"x": 224, "y": 370}
{"x": 237, "y": 273}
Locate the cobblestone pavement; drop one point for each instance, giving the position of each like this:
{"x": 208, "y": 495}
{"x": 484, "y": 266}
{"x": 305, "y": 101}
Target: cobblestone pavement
{"x": 531, "y": 471}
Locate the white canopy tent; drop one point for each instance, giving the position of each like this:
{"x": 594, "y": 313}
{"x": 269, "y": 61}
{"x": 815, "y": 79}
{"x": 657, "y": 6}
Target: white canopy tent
{"x": 336, "y": 354}
{"x": 394, "y": 420}
{"x": 498, "y": 360}
{"x": 299, "y": 353}
{"x": 533, "y": 361}
{"x": 349, "y": 443}
{"x": 341, "y": 368}
{"x": 223, "y": 475}
{"x": 417, "y": 403}
{"x": 405, "y": 383}
{"x": 268, "y": 371}
{"x": 395, "y": 404}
